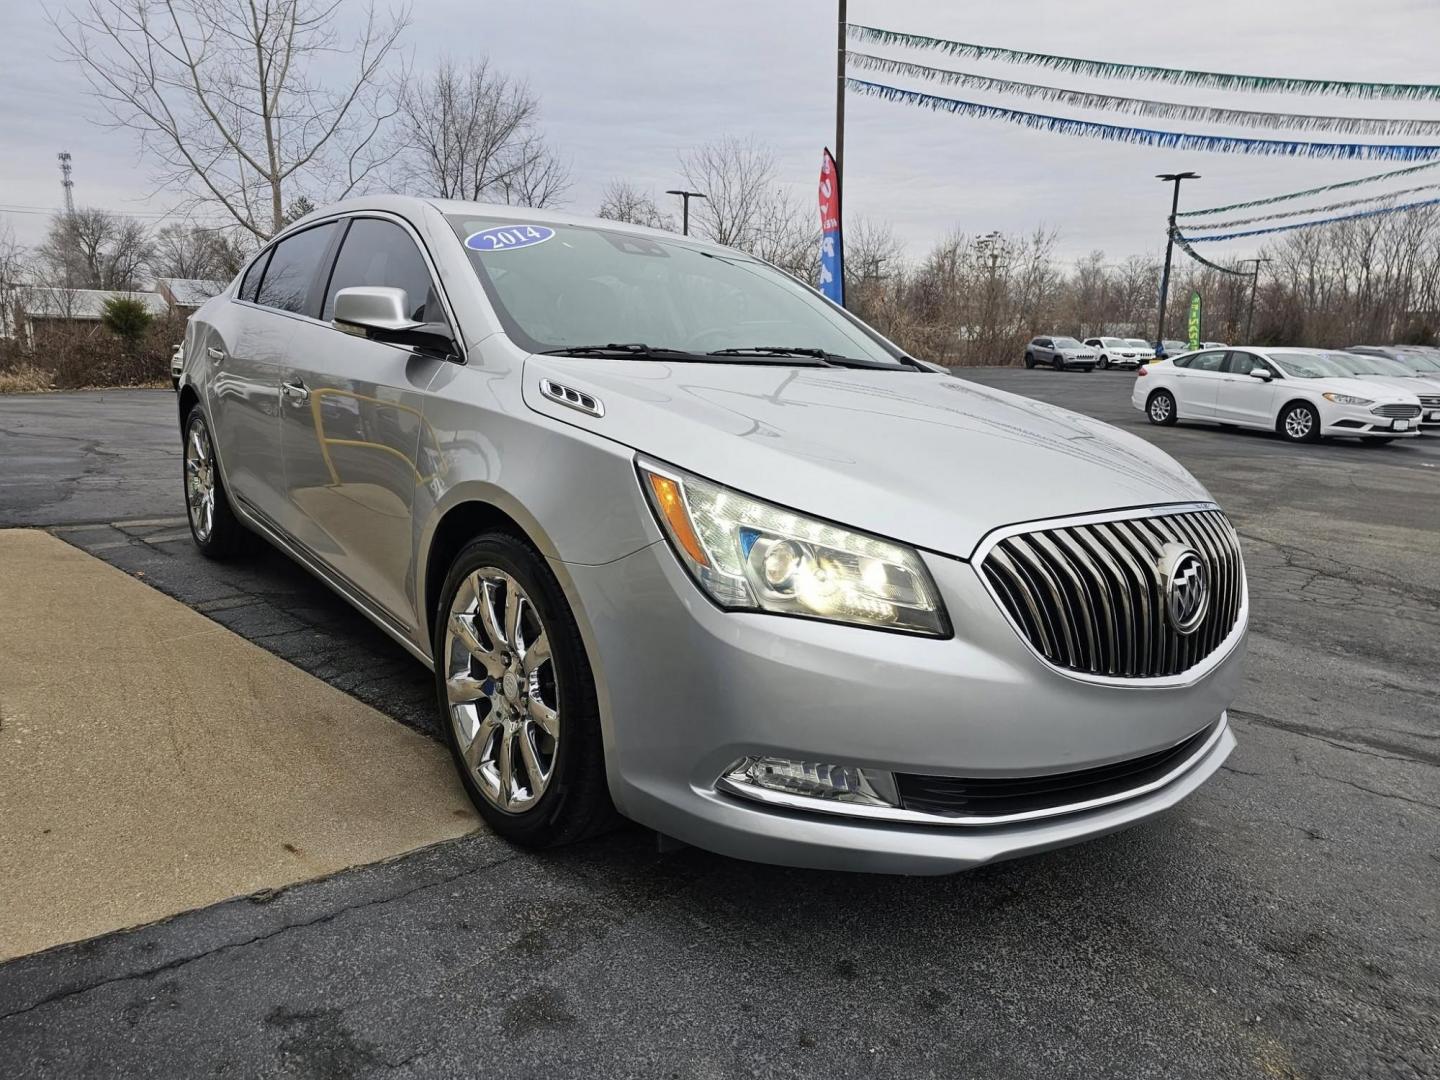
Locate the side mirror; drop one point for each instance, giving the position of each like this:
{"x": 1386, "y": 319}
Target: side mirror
{"x": 1263, "y": 374}
{"x": 378, "y": 312}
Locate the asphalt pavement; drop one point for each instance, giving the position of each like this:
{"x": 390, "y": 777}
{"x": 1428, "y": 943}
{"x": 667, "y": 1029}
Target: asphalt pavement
{"x": 1282, "y": 922}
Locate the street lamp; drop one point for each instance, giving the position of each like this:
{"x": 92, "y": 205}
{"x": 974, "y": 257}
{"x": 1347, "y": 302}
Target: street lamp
{"x": 685, "y": 197}
{"x": 1174, "y": 178}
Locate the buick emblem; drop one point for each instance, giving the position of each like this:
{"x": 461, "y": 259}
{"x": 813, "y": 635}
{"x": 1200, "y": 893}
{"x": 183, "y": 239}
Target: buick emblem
{"x": 1186, "y": 583}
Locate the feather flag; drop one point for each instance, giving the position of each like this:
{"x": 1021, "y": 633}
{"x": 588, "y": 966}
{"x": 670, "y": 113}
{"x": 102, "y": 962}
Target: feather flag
{"x": 1104, "y": 69}
{"x": 1168, "y": 110}
{"x": 1307, "y": 192}
{"x": 1309, "y": 210}
{"x": 1175, "y": 140}
{"x": 1312, "y": 224}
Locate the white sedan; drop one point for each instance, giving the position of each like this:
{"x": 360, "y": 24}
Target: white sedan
{"x": 1301, "y": 393}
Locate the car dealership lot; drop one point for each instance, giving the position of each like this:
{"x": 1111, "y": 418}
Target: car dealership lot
{"x": 1283, "y": 921}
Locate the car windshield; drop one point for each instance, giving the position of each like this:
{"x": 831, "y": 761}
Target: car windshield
{"x": 1316, "y": 365}
{"x": 1114, "y": 343}
{"x": 1420, "y": 363}
{"x": 1065, "y": 343}
{"x": 559, "y": 287}
{"x": 1137, "y": 342}
{"x": 1364, "y": 364}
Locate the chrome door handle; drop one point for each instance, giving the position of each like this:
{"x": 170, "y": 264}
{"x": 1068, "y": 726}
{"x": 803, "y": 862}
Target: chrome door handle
{"x": 296, "y": 390}
{"x": 215, "y": 354}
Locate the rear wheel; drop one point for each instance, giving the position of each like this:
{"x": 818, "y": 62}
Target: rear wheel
{"x": 1160, "y": 408}
{"x": 213, "y": 525}
{"x": 1300, "y": 423}
{"x": 517, "y": 698}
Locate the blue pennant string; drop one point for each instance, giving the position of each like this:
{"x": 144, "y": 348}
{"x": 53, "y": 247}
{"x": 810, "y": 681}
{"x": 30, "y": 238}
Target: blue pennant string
{"x": 1147, "y": 136}
{"x": 1310, "y": 224}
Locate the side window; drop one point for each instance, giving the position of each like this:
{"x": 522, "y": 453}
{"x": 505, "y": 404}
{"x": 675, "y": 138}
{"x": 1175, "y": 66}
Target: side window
{"x": 1207, "y": 361}
{"x": 1242, "y": 363}
{"x": 291, "y": 272}
{"x": 250, "y": 283}
{"x": 1182, "y": 361}
{"x": 377, "y": 252}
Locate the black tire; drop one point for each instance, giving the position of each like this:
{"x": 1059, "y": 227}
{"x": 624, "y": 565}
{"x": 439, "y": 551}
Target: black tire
{"x": 1059, "y": 362}
{"x": 575, "y": 802}
{"x": 1299, "y": 423}
{"x": 1160, "y": 408}
{"x": 1104, "y": 362}
{"x": 226, "y": 537}
{"x": 1029, "y": 361}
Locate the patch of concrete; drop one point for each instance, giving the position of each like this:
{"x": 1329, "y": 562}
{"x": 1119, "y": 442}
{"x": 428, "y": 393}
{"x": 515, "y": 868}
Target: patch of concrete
{"x": 152, "y": 761}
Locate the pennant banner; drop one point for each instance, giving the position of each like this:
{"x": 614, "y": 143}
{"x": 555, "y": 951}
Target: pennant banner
{"x": 1309, "y": 210}
{"x": 1184, "y": 246}
{"x": 1103, "y": 69}
{"x": 832, "y": 265}
{"x": 1311, "y": 224}
{"x": 1176, "y": 140}
{"x": 1308, "y": 191}
{"x": 1169, "y": 110}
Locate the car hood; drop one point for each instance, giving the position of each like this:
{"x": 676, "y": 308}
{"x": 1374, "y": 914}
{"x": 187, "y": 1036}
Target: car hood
{"x": 928, "y": 459}
{"x": 1389, "y": 389}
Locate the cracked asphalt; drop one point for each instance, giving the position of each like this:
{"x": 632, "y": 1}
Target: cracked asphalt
{"x": 1282, "y": 922}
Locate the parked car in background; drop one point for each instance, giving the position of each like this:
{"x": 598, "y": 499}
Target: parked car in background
{"x": 1423, "y": 360}
{"x": 1061, "y": 353}
{"x": 1376, "y": 367}
{"x": 1116, "y": 352}
{"x": 1146, "y": 349}
{"x": 177, "y": 363}
{"x": 523, "y": 444}
{"x": 1213, "y": 345}
{"x": 1303, "y": 394}
{"x": 1170, "y": 347}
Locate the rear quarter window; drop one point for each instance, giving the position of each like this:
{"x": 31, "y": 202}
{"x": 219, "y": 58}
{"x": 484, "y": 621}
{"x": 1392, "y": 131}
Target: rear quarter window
{"x": 289, "y": 280}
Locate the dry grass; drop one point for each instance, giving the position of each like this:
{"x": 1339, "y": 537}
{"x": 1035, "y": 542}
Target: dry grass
{"x": 26, "y": 380}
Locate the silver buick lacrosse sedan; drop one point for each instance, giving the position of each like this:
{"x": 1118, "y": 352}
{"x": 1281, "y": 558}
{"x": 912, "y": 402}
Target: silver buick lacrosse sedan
{"x": 682, "y": 539}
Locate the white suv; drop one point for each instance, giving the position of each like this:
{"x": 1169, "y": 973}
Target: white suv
{"x": 1118, "y": 352}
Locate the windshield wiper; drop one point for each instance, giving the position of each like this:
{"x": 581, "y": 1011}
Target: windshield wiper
{"x": 828, "y": 358}
{"x": 624, "y": 348}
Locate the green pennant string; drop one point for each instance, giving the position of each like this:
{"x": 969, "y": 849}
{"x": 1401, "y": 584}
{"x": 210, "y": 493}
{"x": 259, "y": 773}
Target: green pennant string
{"x": 1184, "y": 246}
{"x": 1308, "y": 191}
{"x": 1169, "y": 110}
{"x": 1311, "y": 224}
{"x": 1103, "y": 69}
{"x": 1279, "y": 215}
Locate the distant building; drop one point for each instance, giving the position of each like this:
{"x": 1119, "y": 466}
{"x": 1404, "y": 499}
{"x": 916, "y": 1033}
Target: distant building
{"x": 41, "y": 310}
{"x": 184, "y": 295}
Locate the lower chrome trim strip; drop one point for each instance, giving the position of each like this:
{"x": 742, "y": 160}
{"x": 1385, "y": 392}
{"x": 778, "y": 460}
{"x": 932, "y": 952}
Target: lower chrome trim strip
{"x": 897, "y": 816}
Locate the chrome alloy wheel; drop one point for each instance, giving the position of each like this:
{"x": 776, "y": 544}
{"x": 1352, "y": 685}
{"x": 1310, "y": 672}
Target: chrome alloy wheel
{"x": 1160, "y": 408}
{"x": 200, "y": 481}
{"x": 500, "y": 682}
{"x": 1298, "y": 423}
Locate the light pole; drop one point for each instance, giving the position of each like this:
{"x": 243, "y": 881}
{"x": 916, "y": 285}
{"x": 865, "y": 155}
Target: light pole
{"x": 685, "y": 197}
{"x": 1254, "y": 286}
{"x": 840, "y": 113}
{"x": 1174, "y": 178}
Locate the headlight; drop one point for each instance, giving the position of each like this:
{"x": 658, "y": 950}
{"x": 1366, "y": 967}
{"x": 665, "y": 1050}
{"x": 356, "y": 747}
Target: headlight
{"x": 1347, "y": 399}
{"x": 755, "y": 556}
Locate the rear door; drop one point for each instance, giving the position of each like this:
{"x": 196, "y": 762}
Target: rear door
{"x": 243, "y": 358}
{"x": 352, "y": 423}
{"x": 1241, "y": 397}
{"x": 1196, "y": 379}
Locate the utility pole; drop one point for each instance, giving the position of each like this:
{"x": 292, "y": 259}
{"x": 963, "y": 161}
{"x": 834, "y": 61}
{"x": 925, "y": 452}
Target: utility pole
{"x": 1254, "y": 286}
{"x": 685, "y": 197}
{"x": 840, "y": 116}
{"x": 67, "y": 183}
{"x": 1174, "y": 178}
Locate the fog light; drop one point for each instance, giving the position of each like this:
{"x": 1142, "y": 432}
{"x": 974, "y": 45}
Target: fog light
{"x": 812, "y": 780}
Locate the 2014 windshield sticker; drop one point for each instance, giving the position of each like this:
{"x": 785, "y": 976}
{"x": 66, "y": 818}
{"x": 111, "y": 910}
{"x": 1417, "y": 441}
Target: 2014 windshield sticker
{"x": 508, "y": 237}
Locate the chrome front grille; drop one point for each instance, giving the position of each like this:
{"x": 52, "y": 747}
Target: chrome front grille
{"x": 1430, "y": 401}
{"x": 1089, "y": 598}
{"x": 1397, "y": 412}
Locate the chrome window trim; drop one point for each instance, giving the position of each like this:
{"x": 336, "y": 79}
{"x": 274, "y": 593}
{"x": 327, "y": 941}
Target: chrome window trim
{"x": 1190, "y": 676}
{"x": 896, "y": 815}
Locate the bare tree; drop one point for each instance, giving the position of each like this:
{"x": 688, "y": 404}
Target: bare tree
{"x": 228, "y": 100}
{"x": 192, "y": 251}
{"x": 472, "y": 133}
{"x": 623, "y": 201}
{"x": 95, "y": 249}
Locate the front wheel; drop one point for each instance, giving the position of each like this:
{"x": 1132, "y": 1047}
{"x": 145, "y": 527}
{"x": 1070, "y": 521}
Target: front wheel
{"x": 1104, "y": 362}
{"x": 1300, "y": 423}
{"x": 1059, "y": 363}
{"x": 517, "y": 698}
{"x": 1029, "y": 361}
{"x": 1160, "y": 409}
{"x": 213, "y": 525}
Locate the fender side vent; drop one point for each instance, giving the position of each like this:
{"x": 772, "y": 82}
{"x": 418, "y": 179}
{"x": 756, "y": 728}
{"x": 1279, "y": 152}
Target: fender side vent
{"x": 571, "y": 397}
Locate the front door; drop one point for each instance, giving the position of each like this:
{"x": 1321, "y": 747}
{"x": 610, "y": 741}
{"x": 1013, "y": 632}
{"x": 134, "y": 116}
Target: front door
{"x": 351, "y": 427}
{"x": 1243, "y": 398}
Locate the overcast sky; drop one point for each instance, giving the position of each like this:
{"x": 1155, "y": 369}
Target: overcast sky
{"x": 627, "y": 85}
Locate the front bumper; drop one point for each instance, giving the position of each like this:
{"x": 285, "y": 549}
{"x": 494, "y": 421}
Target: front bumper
{"x": 686, "y": 689}
{"x": 1361, "y": 420}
